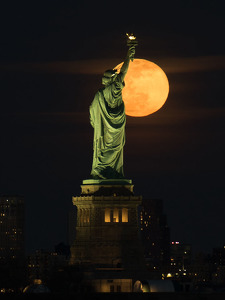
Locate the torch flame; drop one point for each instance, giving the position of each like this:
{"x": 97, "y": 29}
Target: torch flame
{"x": 131, "y": 36}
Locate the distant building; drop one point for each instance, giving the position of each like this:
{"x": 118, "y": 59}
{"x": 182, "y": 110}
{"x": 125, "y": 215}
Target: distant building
{"x": 155, "y": 234}
{"x": 12, "y": 246}
{"x": 218, "y": 256}
{"x": 42, "y": 264}
{"x": 218, "y": 260}
{"x": 180, "y": 258}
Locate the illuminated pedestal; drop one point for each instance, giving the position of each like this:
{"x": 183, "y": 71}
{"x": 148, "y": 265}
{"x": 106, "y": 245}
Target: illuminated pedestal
{"x": 107, "y": 231}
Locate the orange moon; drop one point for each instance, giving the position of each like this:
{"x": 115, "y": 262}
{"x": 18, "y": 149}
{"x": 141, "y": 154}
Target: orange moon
{"x": 146, "y": 88}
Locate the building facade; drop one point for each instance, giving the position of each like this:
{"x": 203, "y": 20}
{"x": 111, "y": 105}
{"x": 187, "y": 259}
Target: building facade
{"x": 12, "y": 245}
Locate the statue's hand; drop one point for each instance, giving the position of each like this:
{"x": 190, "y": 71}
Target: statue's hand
{"x": 131, "y": 52}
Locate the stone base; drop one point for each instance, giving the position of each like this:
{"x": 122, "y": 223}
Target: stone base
{"x": 107, "y": 181}
{"x": 107, "y": 187}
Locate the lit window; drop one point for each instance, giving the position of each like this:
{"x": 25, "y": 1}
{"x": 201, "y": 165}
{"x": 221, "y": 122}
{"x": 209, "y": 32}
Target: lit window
{"x": 107, "y": 215}
{"x": 116, "y": 215}
{"x": 124, "y": 215}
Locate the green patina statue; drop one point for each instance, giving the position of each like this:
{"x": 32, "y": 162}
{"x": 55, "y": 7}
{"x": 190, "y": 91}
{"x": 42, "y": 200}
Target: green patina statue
{"x": 107, "y": 117}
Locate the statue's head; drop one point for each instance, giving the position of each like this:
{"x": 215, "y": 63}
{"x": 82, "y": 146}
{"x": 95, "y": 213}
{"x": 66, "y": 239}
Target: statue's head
{"x": 109, "y": 76}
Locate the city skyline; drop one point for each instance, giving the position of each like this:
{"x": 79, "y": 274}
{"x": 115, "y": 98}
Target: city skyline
{"x": 51, "y": 65}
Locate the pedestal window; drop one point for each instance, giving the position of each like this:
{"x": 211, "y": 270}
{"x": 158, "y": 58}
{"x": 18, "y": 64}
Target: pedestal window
{"x": 124, "y": 215}
{"x": 116, "y": 215}
{"x": 107, "y": 215}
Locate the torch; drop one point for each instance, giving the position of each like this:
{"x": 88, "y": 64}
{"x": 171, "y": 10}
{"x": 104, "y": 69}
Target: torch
{"x": 131, "y": 41}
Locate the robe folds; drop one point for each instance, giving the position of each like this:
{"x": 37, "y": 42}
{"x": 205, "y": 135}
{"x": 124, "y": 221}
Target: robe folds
{"x": 107, "y": 117}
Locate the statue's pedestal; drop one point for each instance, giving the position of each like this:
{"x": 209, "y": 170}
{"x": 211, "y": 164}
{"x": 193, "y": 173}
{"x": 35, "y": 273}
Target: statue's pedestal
{"x": 107, "y": 229}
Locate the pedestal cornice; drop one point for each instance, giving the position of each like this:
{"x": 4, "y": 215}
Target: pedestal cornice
{"x": 100, "y": 199}
{"x": 107, "y": 187}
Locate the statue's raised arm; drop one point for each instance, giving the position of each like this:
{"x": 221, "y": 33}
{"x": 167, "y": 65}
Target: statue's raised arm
{"x": 125, "y": 66}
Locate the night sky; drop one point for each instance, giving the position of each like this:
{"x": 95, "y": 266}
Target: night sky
{"x": 51, "y": 60}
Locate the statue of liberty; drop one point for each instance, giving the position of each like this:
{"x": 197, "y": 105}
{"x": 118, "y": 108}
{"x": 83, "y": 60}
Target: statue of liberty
{"x": 107, "y": 117}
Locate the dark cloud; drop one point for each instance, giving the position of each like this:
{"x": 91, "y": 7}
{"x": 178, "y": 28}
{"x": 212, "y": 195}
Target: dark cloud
{"x": 98, "y": 66}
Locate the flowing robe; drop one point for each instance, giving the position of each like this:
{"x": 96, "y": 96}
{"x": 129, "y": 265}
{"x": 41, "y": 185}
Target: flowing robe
{"x": 107, "y": 116}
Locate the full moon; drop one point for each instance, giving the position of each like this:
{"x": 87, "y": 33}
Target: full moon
{"x": 146, "y": 88}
